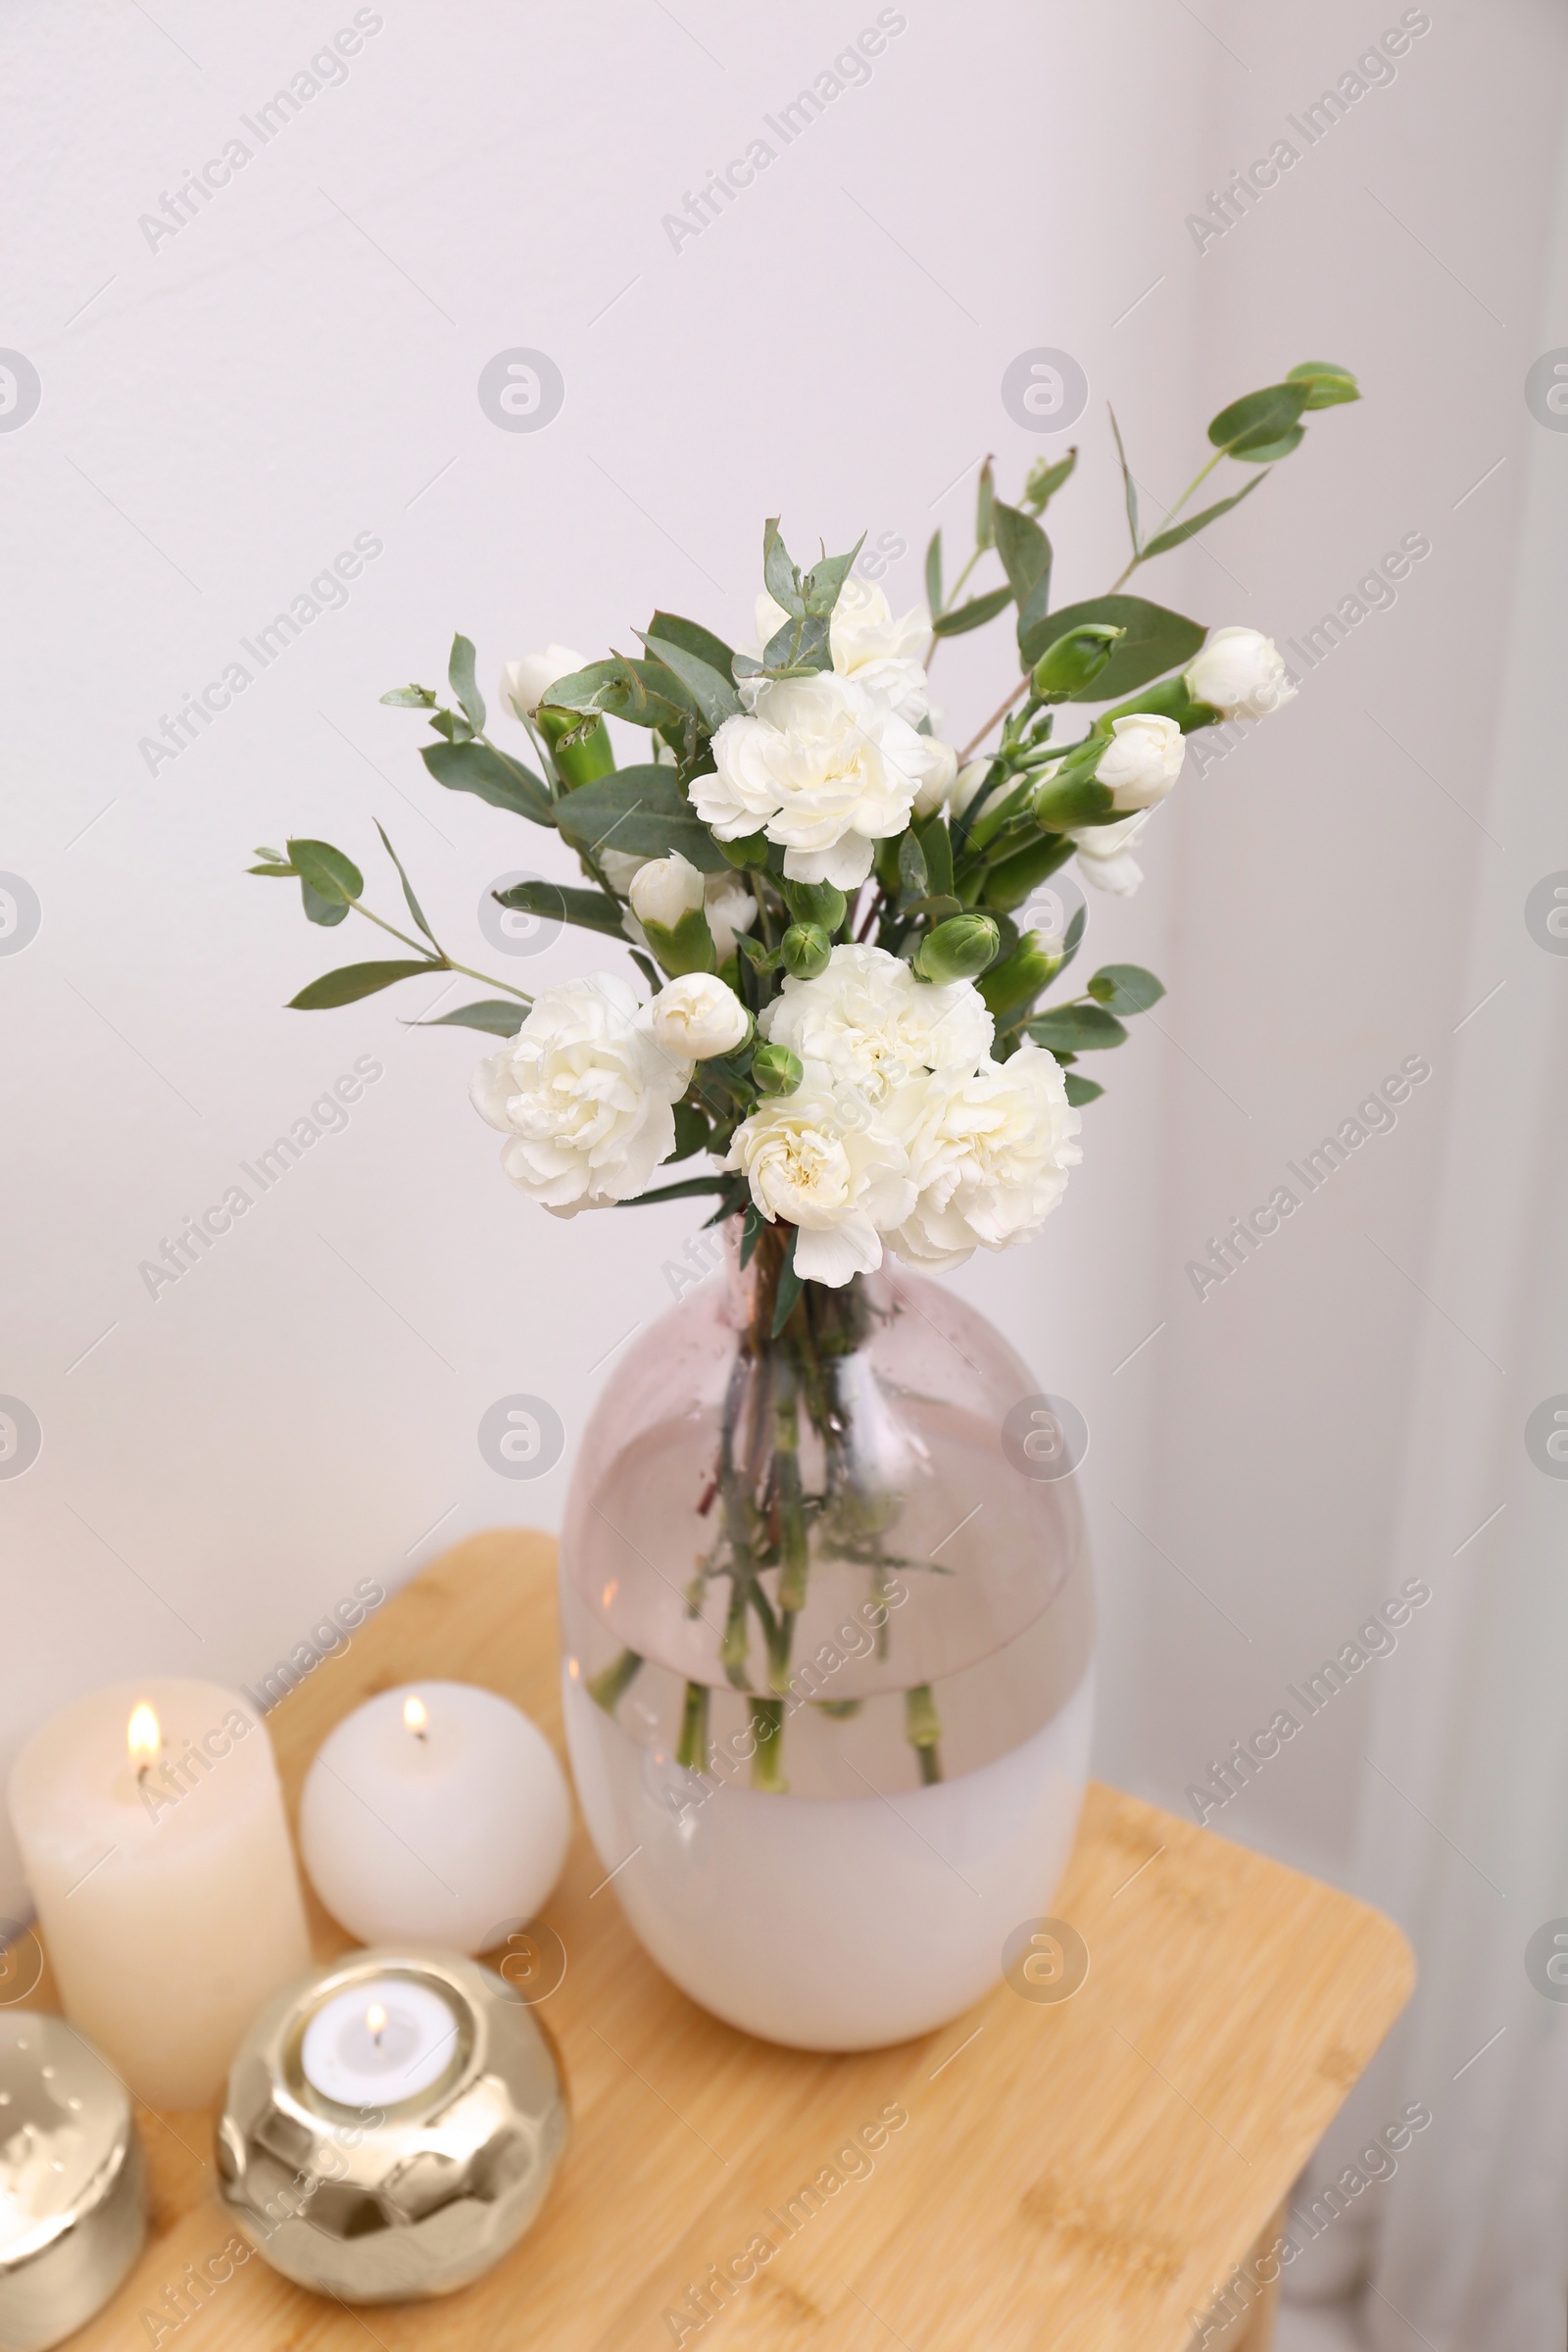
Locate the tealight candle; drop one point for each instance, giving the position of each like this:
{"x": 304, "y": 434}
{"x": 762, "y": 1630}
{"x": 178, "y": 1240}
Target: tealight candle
{"x": 392, "y": 2126}
{"x": 436, "y": 1813}
{"x": 152, "y": 1834}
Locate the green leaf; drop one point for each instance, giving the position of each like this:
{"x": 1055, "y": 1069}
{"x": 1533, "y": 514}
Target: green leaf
{"x": 502, "y": 1016}
{"x": 276, "y": 868}
{"x": 779, "y": 574}
{"x": 415, "y": 907}
{"x": 646, "y": 693}
{"x": 1328, "y": 385}
{"x": 1125, "y": 988}
{"x": 684, "y": 1191}
{"x": 1164, "y": 541}
{"x": 693, "y": 638}
{"x": 1267, "y": 453}
{"x": 504, "y": 782}
{"x": 709, "y": 689}
{"x": 1080, "y": 1089}
{"x": 1155, "y": 639}
{"x": 1259, "y": 417}
{"x": 460, "y": 669}
{"x": 937, "y": 844}
{"x": 1023, "y": 546}
{"x": 984, "y": 501}
{"x": 328, "y": 872}
{"x": 1046, "y": 480}
{"x": 411, "y": 698}
{"x": 1129, "y": 487}
{"x": 790, "y": 1285}
{"x": 913, "y": 880}
{"x": 972, "y": 615}
{"x": 1077, "y": 1029}
{"x": 933, "y": 573}
{"x": 692, "y": 1131}
{"x": 325, "y": 911}
{"x": 642, "y": 809}
{"x": 1072, "y": 938}
{"x": 351, "y": 981}
{"x": 823, "y": 583}
{"x": 590, "y": 909}
{"x": 453, "y": 725}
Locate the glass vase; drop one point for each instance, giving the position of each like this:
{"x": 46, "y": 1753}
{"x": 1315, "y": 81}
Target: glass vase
{"x": 827, "y": 1624}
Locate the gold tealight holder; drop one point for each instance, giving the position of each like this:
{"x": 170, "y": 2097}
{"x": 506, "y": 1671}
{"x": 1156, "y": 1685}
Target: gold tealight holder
{"x": 71, "y": 2212}
{"x": 392, "y": 2125}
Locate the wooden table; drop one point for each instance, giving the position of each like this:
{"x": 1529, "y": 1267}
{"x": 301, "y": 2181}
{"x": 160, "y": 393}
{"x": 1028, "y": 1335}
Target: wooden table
{"x": 1082, "y": 2175}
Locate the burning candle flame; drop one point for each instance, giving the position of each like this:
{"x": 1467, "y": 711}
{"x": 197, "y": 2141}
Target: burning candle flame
{"x": 376, "y": 2020}
{"x": 415, "y": 1715}
{"x": 143, "y": 1737}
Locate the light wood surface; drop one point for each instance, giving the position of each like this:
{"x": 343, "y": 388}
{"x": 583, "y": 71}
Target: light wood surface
{"x": 1085, "y": 2175}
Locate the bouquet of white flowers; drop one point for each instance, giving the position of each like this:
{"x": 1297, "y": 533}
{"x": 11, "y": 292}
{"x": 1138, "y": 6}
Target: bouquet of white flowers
{"x": 841, "y": 1019}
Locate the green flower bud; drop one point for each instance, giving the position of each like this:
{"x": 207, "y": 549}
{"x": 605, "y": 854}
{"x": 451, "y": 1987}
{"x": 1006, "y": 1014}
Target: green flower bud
{"x": 1075, "y": 661}
{"x": 959, "y": 949}
{"x": 776, "y": 1070}
{"x": 817, "y": 902}
{"x": 577, "y": 763}
{"x": 807, "y": 949}
{"x": 1019, "y": 977}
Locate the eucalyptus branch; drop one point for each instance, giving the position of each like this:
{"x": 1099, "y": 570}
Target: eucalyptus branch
{"x": 444, "y": 961}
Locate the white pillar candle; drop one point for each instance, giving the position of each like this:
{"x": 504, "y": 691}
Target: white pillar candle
{"x": 379, "y": 2042}
{"x": 152, "y": 1834}
{"x": 436, "y": 1813}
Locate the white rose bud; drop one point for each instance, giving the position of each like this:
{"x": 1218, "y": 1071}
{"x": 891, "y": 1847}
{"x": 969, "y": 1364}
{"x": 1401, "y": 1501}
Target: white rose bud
{"x": 1240, "y": 674}
{"x": 1142, "y": 762}
{"x": 525, "y": 683}
{"x": 666, "y": 889}
{"x": 697, "y": 1017}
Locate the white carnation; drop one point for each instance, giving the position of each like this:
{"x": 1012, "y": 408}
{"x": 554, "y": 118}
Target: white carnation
{"x": 727, "y": 902}
{"x": 823, "y": 767}
{"x": 868, "y": 645}
{"x": 524, "y": 684}
{"x": 870, "y": 1024}
{"x": 809, "y": 1159}
{"x": 1104, "y": 854}
{"x": 988, "y": 1154}
{"x": 583, "y": 1095}
{"x": 697, "y": 1017}
{"x": 666, "y": 889}
{"x": 1143, "y": 759}
{"x": 1240, "y": 675}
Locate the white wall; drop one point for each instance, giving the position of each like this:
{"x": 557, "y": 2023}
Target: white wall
{"x": 299, "y": 366}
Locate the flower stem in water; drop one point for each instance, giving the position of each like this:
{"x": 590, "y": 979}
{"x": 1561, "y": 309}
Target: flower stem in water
{"x": 924, "y": 1730}
{"x": 692, "y": 1747}
{"x": 767, "y": 1757}
{"x": 608, "y": 1688}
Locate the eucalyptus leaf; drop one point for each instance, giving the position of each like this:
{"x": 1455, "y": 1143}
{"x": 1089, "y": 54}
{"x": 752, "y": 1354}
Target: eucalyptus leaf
{"x": 693, "y": 638}
{"x": 687, "y": 1188}
{"x": 642, "y": 809}
{"x": 1267, "y": 453}
{"x": 1046, "y": 480}
{"x": 411, "y": 698}
{"x": 937, "y": 844}
{"x": 1155, "y": 639}
{"x": 1129, "y": 487}
{"x": 1080, "y": 1090}
{"x": 972, "y": 615}
{"x": 1125, "y": 988}
{"x": 1077, "y": 1029}
{"x": 501, "y": 1016}
{"x": 799, "y": 645}
{"x": 276, "y": 868}
{"x": 328, "y": 872}
{"x": 984, "y": 501}
{"x": 933, "y": 573}
{"x": 692, "y": 1132}
{"x": 1327, "y": 384}
{"x": 827, "y": 578}
{"x": 1164, "y": 541}
{"x": 414, "y": 906}
{"x": 913, "y": 880}
{"x": 646, "y": 693}
{"x": 453, "y": 724}
{"x": 1259, "y": 417}
{"x": 779, "y": 574}
{"x": 352, "y": 981}
{"x": 790, "y": 1285}
{"x": 591, "y": 909}
{"x": 709, "y": 689}
{"x": 479, "y": 768}
{"x": 325, "y": 911}
{"x": 459, "y": 671}
{"x": 1023, "y": 546}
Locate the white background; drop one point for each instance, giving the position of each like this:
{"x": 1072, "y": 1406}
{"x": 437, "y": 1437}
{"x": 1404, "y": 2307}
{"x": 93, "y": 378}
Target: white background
{"x": 221, "y": 415}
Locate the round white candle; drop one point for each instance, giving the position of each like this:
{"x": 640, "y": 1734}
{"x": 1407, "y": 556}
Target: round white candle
{"x": 436, "y": 1812}
{"x": 378, "y": 2043}
{"x": 163, "y": 1875}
